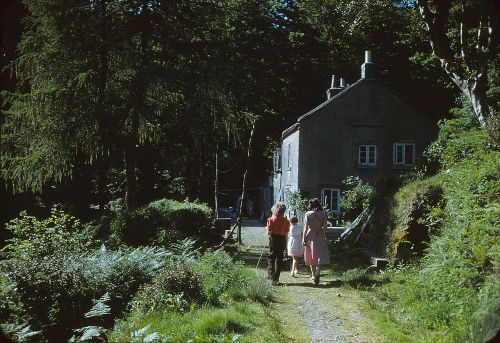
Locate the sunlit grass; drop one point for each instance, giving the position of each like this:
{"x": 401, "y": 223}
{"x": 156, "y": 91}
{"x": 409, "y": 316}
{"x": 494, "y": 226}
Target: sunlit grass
{"x": 240, "y": 322}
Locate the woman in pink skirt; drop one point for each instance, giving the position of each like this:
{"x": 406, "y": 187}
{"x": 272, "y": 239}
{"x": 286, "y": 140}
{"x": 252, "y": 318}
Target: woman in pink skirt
{"x": 316, "y": 252}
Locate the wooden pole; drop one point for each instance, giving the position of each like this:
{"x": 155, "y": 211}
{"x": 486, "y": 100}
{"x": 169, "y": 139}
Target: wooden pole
{"x": 216, "y": 190}
{"x": 243, "y": 192}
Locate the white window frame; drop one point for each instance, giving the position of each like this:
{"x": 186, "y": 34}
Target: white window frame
{"x": 331, "y": 190}
{"x": 367, "y": 155}
{"x": 402, "y": 162}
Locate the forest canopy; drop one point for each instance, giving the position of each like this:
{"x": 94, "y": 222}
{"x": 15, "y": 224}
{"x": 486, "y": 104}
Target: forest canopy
{"x": 135, "y": 99}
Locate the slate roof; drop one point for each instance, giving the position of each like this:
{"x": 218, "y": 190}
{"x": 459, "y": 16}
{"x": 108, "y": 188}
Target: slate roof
{"x": 296, "y": 126}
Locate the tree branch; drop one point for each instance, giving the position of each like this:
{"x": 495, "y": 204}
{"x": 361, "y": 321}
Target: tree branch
{"x": 464, "y": 37}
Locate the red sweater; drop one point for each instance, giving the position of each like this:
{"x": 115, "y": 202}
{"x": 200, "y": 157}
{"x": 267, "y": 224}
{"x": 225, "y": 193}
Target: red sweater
{"x": 278, "y": 225}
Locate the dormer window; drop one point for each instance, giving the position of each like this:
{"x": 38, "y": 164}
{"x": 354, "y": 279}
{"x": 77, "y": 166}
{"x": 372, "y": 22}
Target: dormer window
{"x": 404, "y": 154}
{"x": 367, "y": 155}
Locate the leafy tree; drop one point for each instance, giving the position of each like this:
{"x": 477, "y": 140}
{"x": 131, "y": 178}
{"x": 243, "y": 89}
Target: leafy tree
{"x": 451, "y": 26}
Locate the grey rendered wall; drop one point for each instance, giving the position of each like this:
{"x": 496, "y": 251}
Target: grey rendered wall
{"x": 367, "y": 113}
{"x": 290, "y": 166}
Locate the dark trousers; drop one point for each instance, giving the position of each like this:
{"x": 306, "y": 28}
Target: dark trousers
{"x": 277, "y": 246}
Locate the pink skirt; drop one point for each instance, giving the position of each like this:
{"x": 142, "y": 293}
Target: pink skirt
{"x": 316, "y": 252}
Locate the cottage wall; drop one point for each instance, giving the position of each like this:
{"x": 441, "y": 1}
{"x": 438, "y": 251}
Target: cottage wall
{"x": 290, "y": 166}
{"x": 364, "y": 114}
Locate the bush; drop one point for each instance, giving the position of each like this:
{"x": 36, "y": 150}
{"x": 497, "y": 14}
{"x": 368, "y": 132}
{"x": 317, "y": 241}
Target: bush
{"x": 55, "y": 290}
{"x": 218, "y": 273}
{"x": 358, "y": 194}
{"x": 225, "y": 280}
{"x": 418, "y": 214}
{"x": 49, "y": 278}
{"x": 460, "y": 138}
{"x": 31, "y": 236}
{"x": 161, "y": 222}
{"x": 171, "y": 288}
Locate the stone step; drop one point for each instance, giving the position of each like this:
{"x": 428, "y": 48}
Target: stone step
{"x": 379, "y": 262}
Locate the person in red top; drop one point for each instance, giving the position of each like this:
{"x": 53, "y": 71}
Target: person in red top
{"x": 277, "y": 229}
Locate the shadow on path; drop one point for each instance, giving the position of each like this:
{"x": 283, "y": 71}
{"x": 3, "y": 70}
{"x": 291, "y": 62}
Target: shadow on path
{"x": 327, "y": 284}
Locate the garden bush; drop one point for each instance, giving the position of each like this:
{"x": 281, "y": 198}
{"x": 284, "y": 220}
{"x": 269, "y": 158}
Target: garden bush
{"x": 219, "y": 273}
{"x": 162, "y": 222}
{"x": 358, "y": 195}
{"x": 171, "y": 289}
{"x": 50, "y": 278}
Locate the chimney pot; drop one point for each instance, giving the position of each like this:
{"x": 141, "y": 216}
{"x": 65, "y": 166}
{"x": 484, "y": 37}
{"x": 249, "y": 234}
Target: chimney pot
{"x": 333, "y": 82}
{"x": 333, "y": 88}
{"x": 368, "y": 56}
{"x": 368, "y": 69}
{"x": 342, "y": 82}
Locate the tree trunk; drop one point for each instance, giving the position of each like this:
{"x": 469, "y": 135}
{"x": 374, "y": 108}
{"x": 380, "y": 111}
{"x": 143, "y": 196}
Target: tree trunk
{"x": 471, "y": 78}
{"x": 131, "y": 181}
{"x": 243, "y": 192}
{"x": 216, "y": 187}
{"x": 146, "y": 174}
{"x": 101, "y": 185}
{"x": 102, "y": 115}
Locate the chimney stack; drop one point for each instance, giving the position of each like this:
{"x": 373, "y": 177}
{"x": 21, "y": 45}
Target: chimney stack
{"x": 333, "y": 90}
{"x": 368, "y": 69}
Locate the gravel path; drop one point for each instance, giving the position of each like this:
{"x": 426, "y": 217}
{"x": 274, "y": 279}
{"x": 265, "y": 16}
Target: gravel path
{"x": 308, "y": 313}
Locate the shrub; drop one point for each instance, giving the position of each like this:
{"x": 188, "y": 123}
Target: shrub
{"x": 418, "y": 214}
{"x": 226, "y": 280}
{"x": 31, "y": 236}
{"x": 50, "y": 279}
{"x": 460, "y": 138}
{"x": 358, "y": 194}
{"x": 171, "y": 288}
{"x": 55, "y": 290}
{"x": 161, "y": 222}
{"x": 296, "y": 202}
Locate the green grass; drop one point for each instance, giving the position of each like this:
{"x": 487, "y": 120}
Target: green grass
{"x": 238, "y": 322}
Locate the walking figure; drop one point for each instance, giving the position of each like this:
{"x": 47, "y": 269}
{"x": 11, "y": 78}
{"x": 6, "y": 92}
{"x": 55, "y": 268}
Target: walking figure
{"x": 316, "y": 252}
{"x": 295, "y": 247}
{"x": 277, "y": 229}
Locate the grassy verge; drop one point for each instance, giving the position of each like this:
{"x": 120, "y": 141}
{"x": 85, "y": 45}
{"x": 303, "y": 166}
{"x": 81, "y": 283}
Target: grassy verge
{"x": 237, "y": 322}
{"x": 213, "y": 298}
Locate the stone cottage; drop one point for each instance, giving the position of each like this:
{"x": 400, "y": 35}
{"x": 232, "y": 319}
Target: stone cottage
{"x": 360, "y": 130}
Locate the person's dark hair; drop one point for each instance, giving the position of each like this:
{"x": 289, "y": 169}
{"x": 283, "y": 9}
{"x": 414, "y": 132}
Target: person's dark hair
{"x": 314, "y": 205}
{"x": 294, "y": 220}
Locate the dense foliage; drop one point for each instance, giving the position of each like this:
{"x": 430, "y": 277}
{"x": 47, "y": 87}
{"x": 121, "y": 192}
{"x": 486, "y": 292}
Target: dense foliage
{"x": 55, "y": 283}
{"x": 357, "y": 195}
{"x": 110, "y": 104}
{"x": 50, "y": 276}
{"x": 162, "y": 222}
{"x": 177, "y": 305}
{"x": 453, "y": 291}
{"x": 134, "y": 99}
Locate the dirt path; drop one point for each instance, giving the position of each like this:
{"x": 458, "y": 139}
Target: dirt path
{"x": 308, "y": 313}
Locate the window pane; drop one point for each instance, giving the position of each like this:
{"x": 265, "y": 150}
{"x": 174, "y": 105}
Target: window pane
{"x": 398, "y": 155}
{"x": 371, "y": 154}
{"x": 335, "y": 200}
{"x": 362, "y": 154}
{"x": 327, "y": 200}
